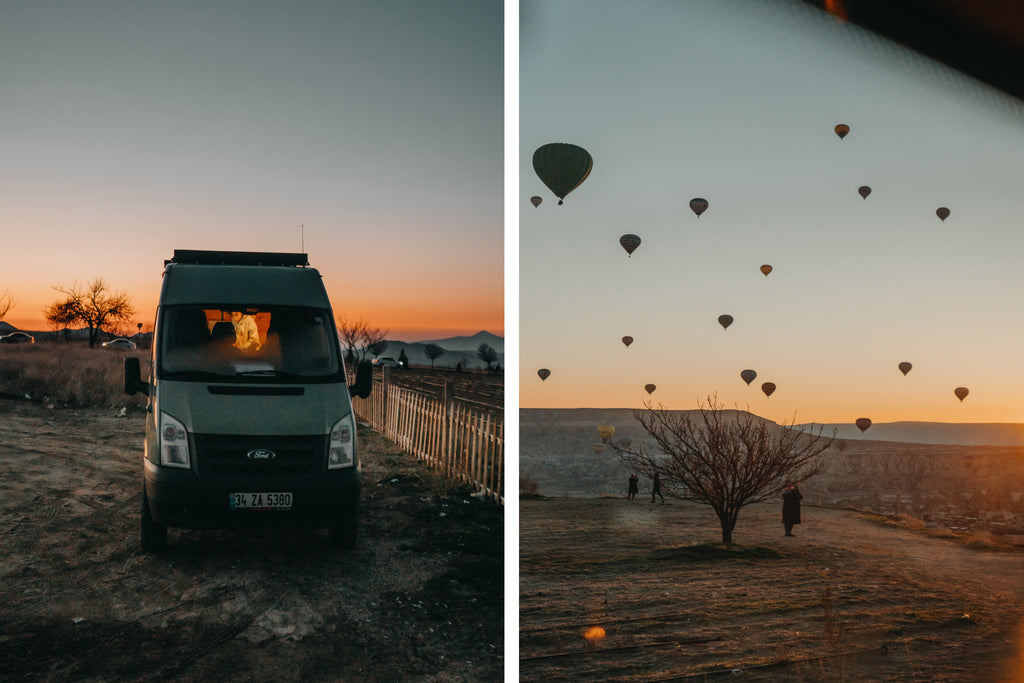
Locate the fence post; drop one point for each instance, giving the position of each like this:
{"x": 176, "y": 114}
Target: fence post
{"x": 460, "y": 439}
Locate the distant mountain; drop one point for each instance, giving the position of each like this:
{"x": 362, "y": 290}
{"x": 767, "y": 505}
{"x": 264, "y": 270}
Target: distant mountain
{"x": 939, "y": 433}
{"x": 469, "y": 343}
{"x": 457, "y": 350}
{"x": 7, "y": 328}
{"x": 561, "y": 451}
{"x": 948, "y": 433}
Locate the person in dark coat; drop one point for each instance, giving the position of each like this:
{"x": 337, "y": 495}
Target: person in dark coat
{"x": 634, "y": 486}
{"x": 791, "y": 497}
{"x": 656, "y": 488}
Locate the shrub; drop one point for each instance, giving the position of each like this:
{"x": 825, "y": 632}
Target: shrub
{"x": 527, "y": 486}
{"x": 909, "y": 521}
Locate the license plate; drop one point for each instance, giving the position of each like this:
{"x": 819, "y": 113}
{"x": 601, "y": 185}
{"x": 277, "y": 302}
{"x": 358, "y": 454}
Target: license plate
{"x": 260, "y": 501}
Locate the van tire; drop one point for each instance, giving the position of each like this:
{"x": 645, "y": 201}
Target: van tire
{"x": 152, "y": 535}
{"x": 345, "y": 535}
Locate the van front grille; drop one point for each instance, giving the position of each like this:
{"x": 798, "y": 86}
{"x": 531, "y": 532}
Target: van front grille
{"x": 223, "y": 454}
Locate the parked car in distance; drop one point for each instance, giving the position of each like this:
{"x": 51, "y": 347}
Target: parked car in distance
{"x": 119, "y": 344}
{"x": 385, "y": 362}
{"x": 17, "y": 338}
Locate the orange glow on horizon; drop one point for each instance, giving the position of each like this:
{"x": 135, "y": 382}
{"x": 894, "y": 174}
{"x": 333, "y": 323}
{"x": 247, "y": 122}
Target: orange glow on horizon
{"x": 406, "y": 320}
{"x": 926, "y": 402}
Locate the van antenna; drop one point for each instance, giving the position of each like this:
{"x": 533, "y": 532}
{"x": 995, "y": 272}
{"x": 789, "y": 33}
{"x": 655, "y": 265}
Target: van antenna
{"x": 302, "y": 238}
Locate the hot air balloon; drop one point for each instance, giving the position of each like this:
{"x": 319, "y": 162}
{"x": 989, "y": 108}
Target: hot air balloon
{"x": 864, "y": 191}
{"x": 942, "y": 212}
{"x": 625, "y": 441}
{"x": 698, "y": 205}
{"x": 768, "y": 388}
{"x": 562, "y": 167}
{"x": 649, "y": 388}
{"x": 841, "y": 130}
{"x": 535, "y": 200}
{"x": 725, "y": 321}
{"x": 598, "y": 448}
{"x": 961, "y": 393}
{"x": 627, "y": 340}
{"x": 605, "y": 432}
{"x": 543, "y": 373}
{"x": 905, "y": 367}
{"x": 863, "y": 423}
{"x": 629, "y": 243}
{"x": 748, "y": 376}
{"x": 766, "y": 269}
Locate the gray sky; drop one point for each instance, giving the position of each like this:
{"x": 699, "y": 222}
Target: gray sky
{"x": 133, "y": 128}
{"x": 736, "y": 102}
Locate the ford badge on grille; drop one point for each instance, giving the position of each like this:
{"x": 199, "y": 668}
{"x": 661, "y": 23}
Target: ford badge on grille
{"x": 261, "y": 455}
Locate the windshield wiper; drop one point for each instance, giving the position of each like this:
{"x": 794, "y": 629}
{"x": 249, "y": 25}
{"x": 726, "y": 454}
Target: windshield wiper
{"x": 268, "y": 373}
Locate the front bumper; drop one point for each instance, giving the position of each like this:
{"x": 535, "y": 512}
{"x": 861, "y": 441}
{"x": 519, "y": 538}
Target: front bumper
{"x": 181, "y": 498}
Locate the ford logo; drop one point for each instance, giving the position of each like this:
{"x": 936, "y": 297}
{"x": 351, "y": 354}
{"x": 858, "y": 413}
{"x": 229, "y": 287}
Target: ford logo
{"x": 261, "y": 455}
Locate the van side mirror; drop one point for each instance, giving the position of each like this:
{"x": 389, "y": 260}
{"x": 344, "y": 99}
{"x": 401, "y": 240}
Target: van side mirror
{"x": 364, "y": 380}
{"x": 133, "y": 377}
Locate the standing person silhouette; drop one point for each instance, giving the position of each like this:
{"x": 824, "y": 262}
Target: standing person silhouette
{"x": 791, "y": 508}
{"x": 634, "y": 486}
{"x": 656, "y": 487}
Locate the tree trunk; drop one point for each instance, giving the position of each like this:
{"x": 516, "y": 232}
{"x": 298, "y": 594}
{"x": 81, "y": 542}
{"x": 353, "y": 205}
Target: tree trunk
{"x": 728, "y": 523}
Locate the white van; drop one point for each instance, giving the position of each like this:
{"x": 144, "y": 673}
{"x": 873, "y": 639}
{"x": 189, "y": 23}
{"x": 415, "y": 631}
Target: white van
{"x": 250, "y": 420}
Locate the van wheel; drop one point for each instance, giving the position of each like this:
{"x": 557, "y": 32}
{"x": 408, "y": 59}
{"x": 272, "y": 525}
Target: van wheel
{"x": 344, "y": 535}
{"x": 152, "y": 535}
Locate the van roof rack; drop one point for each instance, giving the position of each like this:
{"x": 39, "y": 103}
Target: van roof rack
{"x": 237, "y": 258}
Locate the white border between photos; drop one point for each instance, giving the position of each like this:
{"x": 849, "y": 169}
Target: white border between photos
{"x": 511, "y": 464}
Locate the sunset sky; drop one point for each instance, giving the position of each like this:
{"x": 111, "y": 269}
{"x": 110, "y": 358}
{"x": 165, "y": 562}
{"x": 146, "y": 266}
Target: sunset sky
{"x": 736, "y": 102}
{"x": 131, "y": 129}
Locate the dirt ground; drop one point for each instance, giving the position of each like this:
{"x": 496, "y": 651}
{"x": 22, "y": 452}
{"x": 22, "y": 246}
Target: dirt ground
{"x": 849, "y": 598}
{"x": 419, "y": 599}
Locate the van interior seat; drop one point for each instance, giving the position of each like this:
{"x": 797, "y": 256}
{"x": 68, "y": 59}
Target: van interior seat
{"x": 223, "y": 332}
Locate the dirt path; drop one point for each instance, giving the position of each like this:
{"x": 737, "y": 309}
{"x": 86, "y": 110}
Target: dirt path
{"x": 846, "y": 599}
{"x": 419, "y": 599}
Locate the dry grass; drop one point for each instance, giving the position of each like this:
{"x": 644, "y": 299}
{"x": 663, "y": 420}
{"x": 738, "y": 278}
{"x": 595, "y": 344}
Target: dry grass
{"x": 910, "y": 522}
{"x": 68, "y": 375}
{"x": 979, "y": 540}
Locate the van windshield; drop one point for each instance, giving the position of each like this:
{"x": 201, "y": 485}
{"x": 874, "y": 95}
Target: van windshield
{"x": 247, "y": 341}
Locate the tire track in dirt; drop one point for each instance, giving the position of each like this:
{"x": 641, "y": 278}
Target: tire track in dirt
{"x": 41, "y": 510}
{"x": 210, "y": 643}
{"x": 81, "y": 602}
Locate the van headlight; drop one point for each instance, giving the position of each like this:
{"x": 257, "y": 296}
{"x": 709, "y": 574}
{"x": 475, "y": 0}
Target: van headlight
{"x": 342, "y": 448}
{"x": 173, "y": 443}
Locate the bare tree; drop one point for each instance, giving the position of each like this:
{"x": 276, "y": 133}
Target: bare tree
{"x": 433, "y": 352}
{"x": 487, "y": 354}
{"x": 94, "y": 307}
{"x": 723, "y": 459}
{"x": 374, "y": 340}
{"x": 6, "y": 303}
{"x": 359, "y": 336}
{"x": 61, "y": 315}
{"x": 351, "y": 334}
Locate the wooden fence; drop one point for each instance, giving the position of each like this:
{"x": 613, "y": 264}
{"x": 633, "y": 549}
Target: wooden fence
{"x": 462, "y": 439}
